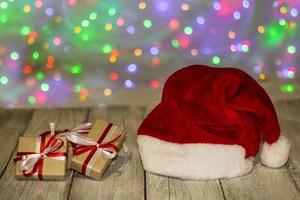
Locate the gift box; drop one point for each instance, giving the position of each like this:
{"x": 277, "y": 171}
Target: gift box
{"x": 43, "y": 157}
{"x": 97, "y": 150}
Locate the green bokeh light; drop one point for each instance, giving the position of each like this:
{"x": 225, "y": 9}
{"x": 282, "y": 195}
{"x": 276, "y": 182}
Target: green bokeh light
{"x": 175, "y": 43}
{"x": 75, "y": 69}
{"x": 3, "y": 5}
{"x": 106, "y": 48}
{"x": 85, "y": 23}
{"x": 35, "y": 55}
{"x": 85, "y": 36}
{"x": 287, "y": 88}
{"x": 147, "y": 23}
{"x": 282, "y": 22}
{"x": 245, "y": 48}
{"x": 93, "y": 16}
{"x": 77, "y": 88}
{"x": 216, "y": 60}
{"x": 14, "y": 55}
{"x": 25, "y": 30}
{"x": 274, "y": 34}
{"x": 291, "y": 49}
{"x": 39, "y": 76}
{"x": 31, "y": 100}
{"x": 3, "y": 19}
{"x": 3, "y": 80}
{"x": 112, "y": 11}
{"x": 188, "y": 30}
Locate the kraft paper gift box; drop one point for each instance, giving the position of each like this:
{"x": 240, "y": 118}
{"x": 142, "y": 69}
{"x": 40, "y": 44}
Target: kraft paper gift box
{"x": 94, "y": 162}
{"x": 50, "y": 167}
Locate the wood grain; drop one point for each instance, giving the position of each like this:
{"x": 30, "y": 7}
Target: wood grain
{"x": 262, "y": 183}
{"x": 162, "y": 187}
{"x": 30, "y": 189}
{"x": 12, "y": 125}
{"x": 289, "y": 117}
{"x": 123, "y": 179}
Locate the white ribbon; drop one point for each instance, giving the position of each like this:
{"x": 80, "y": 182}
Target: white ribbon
{"x": 76, "y": 138}
{"x": 28, "y": 161}
{"x": 81, "y": 128}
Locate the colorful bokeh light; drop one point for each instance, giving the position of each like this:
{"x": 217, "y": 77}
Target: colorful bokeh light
{"x": 84, "y": 48}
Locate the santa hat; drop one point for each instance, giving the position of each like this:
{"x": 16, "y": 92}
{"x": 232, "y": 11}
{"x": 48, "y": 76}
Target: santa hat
{"x": 209, "y": 124}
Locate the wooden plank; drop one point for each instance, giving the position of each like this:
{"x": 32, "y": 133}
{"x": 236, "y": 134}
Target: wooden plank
{"x": 266, "y": 183}
{"x": 123, "y": 179}
{"x": 10, "y": 188}
{"x": 262, "y": 183}
{"x": 289, "y": 118}
{"x": 12, "y": 125}
{"x": 162, "y": 187}
{"x": 288, "y": 114}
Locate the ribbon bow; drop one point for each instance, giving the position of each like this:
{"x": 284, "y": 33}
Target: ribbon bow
{"x": 67, "y": 133}
{"x": 34, "y": 160}
{"x": 108, "y": 149}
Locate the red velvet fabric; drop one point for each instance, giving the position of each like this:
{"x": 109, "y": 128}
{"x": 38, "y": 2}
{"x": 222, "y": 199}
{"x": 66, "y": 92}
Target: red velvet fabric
{"x": 202, "y": 104}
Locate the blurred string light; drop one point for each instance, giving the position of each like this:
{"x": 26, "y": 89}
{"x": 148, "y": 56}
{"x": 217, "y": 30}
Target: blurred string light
{"x": 128, "y": 84}
{"x": 291, "y": 49}
{"x": 200, "y": 20}
{"x": 132, "y": 68}
{"x": 147, "y": 23}
{"x": 142, "y": 5}
{"x": 287, "y": 88}
{"x": 216, "y": 60}
{"x": 188, "y": 30}
{"x": 3, "y": 80}
{"x": 185, "y": 6}
{"x": 107, "y": 91}
{"x": 125, "y": 40}
{"x": 154, "y": 51}
{"x": 76, "y": 69}
{"x": 14, "y": 55}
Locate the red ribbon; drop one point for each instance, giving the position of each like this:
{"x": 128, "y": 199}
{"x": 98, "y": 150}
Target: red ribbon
{"x": 57, "y": 132}
{"x": 82, "y": 149}
{"x": 38, "y": 166}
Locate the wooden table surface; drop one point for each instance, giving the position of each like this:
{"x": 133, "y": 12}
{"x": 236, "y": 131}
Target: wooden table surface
{"x": 126, "y": 179}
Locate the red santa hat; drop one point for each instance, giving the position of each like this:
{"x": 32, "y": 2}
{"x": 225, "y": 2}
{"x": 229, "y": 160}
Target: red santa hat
{"x": 209, "y": 124}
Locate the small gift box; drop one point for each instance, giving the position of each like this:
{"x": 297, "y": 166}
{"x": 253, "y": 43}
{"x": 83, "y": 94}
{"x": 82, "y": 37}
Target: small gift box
{"x": 96, "y": 150}
{"x": 43, "y": 157}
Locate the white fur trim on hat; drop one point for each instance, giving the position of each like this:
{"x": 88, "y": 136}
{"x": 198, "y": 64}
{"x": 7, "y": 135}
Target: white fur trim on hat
{"x": 193, "y": 161}
{"x": 275, "y": 155}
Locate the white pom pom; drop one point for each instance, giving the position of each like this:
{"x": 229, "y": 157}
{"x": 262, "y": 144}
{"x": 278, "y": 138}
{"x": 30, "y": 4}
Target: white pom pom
{"x": 276, "y": 154}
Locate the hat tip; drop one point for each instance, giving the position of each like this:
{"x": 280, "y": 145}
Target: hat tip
{"x": 275, "y": 155}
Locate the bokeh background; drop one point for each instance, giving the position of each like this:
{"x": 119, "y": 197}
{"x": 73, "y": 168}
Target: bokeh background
{"x": 89, "y": 52}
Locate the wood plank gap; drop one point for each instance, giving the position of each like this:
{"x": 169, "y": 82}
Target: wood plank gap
{"x": 145, "y": 188}
{"x": 169, "y": 190}
{"x": 7, "y": 162}
{"x": 73, "y": 174}
{"x": 222, "y": 189}
{"x": 15, "y": 146}
{"x": 289, "y": 165}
